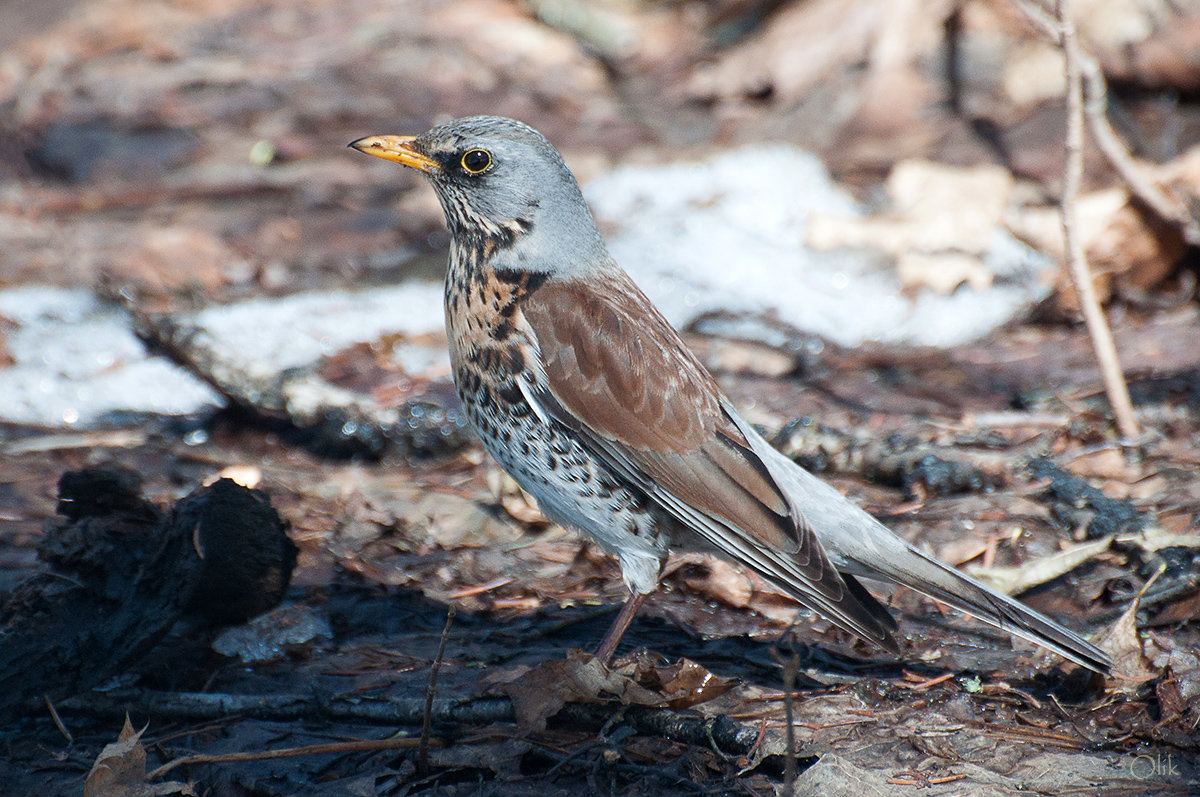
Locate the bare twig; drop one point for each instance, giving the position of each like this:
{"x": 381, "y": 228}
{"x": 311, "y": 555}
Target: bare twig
{"x": 367, "y": 745}
{"x": 1095, "y": 109}
{"x": 790, "y": 666}
{"x": 732, "y": 736}
{"x": 430, "y": 691}
{"x": 351, "y": 707}
{"x": 918, "y": 684}
{"x": 921, "y": 780}
{"x": 1102, "y": 339}
{"x": 58, "y": 723}
{"x": 1083, "y": 70}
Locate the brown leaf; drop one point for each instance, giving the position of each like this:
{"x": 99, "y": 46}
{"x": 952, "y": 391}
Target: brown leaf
{"x": 1171, "y": 702}
{"x": 120, "y": 770}
{"x": 718, "y": 580}
{"x": 1181, "y": 611}
{"x": 1131, "y": 668}
{"x": 942, "y": 220}
{"x": 682, "y": 684}
{"x": 638, "y": 679}
{"x": 540, "y": 693}
{"x": 1027, "y": 575}
{"x": 163, "y": 259}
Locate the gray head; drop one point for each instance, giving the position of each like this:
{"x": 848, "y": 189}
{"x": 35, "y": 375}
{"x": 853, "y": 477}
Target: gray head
{"x": 501, "y": 181}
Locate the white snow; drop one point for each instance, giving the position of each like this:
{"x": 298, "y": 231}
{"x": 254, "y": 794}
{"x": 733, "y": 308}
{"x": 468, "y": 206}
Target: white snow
{"x": 300, "y": 329}
{"x": 77, "y": 359}
{"x": 728, "y": 234}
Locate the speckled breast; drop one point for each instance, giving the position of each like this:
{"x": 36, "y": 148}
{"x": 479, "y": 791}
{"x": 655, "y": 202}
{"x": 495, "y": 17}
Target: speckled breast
{"x": 489, "y": 351}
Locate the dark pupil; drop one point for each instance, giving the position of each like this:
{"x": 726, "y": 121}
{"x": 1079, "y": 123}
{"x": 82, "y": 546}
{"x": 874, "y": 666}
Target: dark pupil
{"x": 476, "y": 160}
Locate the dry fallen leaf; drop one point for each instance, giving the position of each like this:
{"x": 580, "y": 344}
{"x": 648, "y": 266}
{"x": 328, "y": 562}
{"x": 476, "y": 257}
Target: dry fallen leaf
{"x": 640, "y": 679}
{"x": 1121, "y": 641}
{"x": 935, "y": 208}
{"x": 942, "y": 272}
{"x": 540, "y": 693}
{"x": 1022, "y": 577}
{"x": 120, "y": 770}
{"x": 1033, "y": 72}
{"x": 1126, "y": 246}
{"x": 682, "y": 684}
{"x": 161, "y": 256}
{"x": 1179, "y": 612}
{"x": 717, "y": 579}
{"x": 743, "y": 357}
{"x": 1041, "y": 227}
{"x": 942, "y": 220}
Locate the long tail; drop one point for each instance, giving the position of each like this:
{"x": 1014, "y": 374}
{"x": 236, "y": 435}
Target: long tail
{"x": 911, "y": 568}
{"x": 859, "y": 545}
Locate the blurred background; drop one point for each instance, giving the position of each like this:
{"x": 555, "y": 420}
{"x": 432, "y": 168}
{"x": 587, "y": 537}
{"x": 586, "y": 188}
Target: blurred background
{"x": 197, "y": 146}
{"x": 848, "y": 206}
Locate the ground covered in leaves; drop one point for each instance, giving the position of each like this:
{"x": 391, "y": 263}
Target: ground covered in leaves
{"x": 117, "y": 123}
{"x": 385, "y": 548}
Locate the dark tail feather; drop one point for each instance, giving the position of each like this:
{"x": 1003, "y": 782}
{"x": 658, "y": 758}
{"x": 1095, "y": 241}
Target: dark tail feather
{"x": 859, "y": 545}
{"x": 871, "y": 603}
{"x": 949, "y": 586}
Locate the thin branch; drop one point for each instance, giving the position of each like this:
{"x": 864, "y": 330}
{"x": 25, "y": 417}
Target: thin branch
{"x": 1095, "y": 109}
{"x": 1161, "y": 202}
{"x": 790, "y": 664}
{"x": 730, "y": 735}
{"x": 58, "y": 723}
{"x": 430, "y": 691}
{"x": 352, "y": 707}
{"x": 1102, "y": 339}
{"x": 361, "y": 745}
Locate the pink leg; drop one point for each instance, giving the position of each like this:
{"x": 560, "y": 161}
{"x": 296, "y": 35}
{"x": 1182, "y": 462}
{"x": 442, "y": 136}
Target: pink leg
{"x": 608, "y": 645}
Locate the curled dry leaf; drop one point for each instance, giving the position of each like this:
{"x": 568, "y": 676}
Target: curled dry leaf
{"x": 120, "y": 770}
{"x": 1131, "y": 667}
{"x": 682, "y": 684}
{"x": 805, "y": 45}
{"x": 935, "y": 208}
{"x": 540, "y": 693}
{"x": 1026, "y": 576}
{"x": 1128, "y": 249}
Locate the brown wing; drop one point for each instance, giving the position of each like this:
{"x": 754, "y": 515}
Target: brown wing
{"x": 620, "y": 376}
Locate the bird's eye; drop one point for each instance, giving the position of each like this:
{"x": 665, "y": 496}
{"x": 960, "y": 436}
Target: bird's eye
{"x": 476, "y": 161}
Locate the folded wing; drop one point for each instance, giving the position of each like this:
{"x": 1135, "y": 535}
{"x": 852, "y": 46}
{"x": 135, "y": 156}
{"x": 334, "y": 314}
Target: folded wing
{"x": 620, "y": 377}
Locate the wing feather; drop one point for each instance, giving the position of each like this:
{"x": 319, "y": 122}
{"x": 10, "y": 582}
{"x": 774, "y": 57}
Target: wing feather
{"x": 619, "y": 375}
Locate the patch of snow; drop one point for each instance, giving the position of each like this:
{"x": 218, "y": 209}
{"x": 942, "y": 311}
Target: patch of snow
{"x": 301, "y": 329}
{"x": 77, "y": 360}
{"x": 729, "y": 234}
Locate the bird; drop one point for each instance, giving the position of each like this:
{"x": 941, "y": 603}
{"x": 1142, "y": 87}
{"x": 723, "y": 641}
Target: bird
{"x": 584, "y": 393}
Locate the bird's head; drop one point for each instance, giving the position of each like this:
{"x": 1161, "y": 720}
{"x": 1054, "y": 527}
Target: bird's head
{"x": 501, "y": 180}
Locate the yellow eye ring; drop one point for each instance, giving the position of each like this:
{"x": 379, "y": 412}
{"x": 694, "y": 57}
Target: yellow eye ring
{"x": 476, "y": 161}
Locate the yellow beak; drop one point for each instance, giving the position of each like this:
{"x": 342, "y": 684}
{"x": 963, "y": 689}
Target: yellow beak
{"x": 398, "y": 149}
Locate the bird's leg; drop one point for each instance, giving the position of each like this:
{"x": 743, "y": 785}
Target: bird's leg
{"x": 608, "y": 645}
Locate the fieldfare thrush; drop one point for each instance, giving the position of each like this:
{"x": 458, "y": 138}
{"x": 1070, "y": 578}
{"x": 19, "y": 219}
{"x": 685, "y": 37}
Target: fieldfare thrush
{"x": 584, "y": 393}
